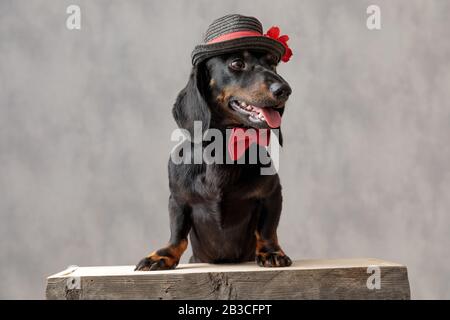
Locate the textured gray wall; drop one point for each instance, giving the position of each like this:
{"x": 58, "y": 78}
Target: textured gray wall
{"x": 85, "y": 124}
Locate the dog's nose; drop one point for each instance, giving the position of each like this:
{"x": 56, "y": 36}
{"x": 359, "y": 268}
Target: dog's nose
{"x": 280, "y": 90}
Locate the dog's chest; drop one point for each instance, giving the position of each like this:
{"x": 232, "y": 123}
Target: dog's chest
{"x": 226, "y": 214}
{"x": 230, "y": 203}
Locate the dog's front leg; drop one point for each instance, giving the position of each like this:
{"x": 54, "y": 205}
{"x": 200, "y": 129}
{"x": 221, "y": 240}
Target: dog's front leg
{"x": 169, "y": 256}
{"x": 268, "y": 251}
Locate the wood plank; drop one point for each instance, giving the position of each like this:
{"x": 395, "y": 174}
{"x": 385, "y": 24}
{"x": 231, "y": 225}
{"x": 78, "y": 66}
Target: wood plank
{"x": 305, "y": 279}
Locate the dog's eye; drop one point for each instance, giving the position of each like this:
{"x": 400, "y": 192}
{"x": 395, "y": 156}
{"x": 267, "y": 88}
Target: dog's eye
{"x": 237, "y": 64}
{"x": 271, "y": 59}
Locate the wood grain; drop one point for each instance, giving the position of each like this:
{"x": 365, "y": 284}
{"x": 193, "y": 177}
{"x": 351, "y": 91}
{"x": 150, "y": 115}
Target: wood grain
{"x": 305, "y": 279}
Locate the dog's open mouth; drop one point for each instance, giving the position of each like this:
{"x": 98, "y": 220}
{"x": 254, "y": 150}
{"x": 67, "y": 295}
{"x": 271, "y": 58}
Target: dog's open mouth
{"x": 256, "y": 114}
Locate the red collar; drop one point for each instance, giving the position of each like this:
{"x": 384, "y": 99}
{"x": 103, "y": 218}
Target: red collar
{"x": 241, "y": 139}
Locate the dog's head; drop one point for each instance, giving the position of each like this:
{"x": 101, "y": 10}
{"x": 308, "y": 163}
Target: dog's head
{"x": 241, "y": 89}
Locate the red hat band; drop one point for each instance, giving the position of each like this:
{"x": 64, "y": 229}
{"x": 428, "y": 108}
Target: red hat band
{"x": 235, "y": 35}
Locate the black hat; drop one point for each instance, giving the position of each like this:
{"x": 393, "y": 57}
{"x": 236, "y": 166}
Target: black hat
{"x": 235, "y": 32}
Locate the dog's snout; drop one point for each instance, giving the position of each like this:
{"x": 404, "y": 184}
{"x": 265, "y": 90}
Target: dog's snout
{"x": 280, "y": 90}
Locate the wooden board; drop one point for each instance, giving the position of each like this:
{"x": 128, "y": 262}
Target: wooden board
{"x": 305, "y": 279}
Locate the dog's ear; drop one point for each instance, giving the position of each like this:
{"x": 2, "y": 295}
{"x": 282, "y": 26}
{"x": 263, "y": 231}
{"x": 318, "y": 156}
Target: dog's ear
{"x": 191, "y": 102}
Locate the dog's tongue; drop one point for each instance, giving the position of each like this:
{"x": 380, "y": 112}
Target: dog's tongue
{"x": 273, "y": 117}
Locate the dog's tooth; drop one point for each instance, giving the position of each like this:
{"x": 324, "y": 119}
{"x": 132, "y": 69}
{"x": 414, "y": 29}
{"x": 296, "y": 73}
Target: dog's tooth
{"x": 243, "y": 104}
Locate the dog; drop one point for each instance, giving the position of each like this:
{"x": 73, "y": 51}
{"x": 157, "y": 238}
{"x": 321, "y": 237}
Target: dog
{"x": 229, "y": 211}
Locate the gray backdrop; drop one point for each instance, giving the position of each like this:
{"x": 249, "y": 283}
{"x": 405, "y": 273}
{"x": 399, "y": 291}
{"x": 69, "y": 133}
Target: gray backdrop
{"x": 85, "y": 128}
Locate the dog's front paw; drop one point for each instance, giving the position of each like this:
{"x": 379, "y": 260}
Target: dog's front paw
{"x": 156, "y": 262}
{"x": 273, "y": 259}
{"x": 163, "y": 259}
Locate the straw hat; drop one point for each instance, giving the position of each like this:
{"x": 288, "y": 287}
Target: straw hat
{"x": 236, "y": 32}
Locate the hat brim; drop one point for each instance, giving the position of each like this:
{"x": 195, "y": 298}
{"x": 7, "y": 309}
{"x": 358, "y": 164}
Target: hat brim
{"x": 259, "y": 43}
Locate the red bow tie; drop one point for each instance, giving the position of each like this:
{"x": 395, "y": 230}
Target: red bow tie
{"x": 241, "y": 139}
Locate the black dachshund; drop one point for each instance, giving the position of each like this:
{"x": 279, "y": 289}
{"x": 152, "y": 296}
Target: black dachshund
{"x": 230, "y": 211}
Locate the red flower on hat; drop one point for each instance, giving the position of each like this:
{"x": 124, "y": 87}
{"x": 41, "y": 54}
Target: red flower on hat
{"x": 274, "y": 33}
